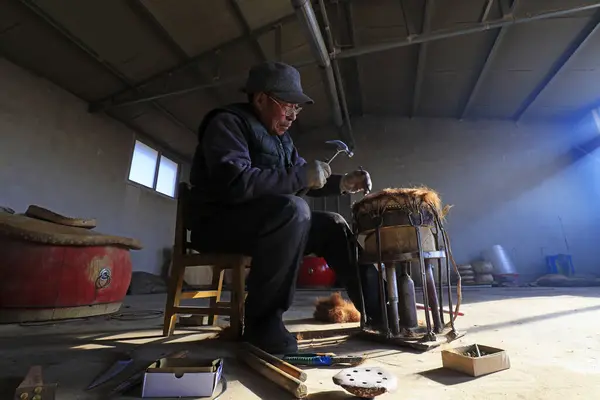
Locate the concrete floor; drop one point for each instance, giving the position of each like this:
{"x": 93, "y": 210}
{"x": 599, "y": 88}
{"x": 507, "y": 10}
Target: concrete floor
{"x": 551, "y": 335}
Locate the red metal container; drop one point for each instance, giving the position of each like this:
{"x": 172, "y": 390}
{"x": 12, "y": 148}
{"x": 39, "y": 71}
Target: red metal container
{"x": 315, "y": 273}
{"x": 45, "y": 282}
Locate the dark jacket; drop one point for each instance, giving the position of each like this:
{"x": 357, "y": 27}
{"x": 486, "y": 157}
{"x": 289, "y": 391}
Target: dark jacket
{"x": 238, "y": 160}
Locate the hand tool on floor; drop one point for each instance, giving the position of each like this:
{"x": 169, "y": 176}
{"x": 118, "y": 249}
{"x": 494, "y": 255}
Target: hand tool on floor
{"x": 137, "y": 377}
{"x": 34, "y": 388}
{"x": 115, "y": 369}
{"x": 322, "y": 359}
{"x": 274, "y": 369}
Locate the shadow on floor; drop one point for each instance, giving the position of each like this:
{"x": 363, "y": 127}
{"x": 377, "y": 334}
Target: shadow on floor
{"x": 331, "y": 395}
{"x": 473, "y": 295}
{"x": 446, "y": 376}
{"x": 8, "y": 386}
{"x": 536, "y": 318}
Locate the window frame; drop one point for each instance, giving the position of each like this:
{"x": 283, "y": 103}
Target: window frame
{"x": 160, "y": 154}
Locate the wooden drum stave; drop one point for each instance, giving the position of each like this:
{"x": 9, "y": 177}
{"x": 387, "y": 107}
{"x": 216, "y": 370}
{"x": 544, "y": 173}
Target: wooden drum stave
{"x": 397, "y": 213}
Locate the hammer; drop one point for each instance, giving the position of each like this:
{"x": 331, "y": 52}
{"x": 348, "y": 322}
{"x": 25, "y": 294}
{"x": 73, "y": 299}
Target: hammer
{"x": 340, "y": 147}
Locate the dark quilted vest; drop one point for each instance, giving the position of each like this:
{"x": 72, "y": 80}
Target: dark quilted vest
{"x": 266, "y": 150}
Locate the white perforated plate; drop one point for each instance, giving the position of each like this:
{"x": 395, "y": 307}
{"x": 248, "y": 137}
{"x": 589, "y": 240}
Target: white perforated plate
{"x": 366, "y": 382}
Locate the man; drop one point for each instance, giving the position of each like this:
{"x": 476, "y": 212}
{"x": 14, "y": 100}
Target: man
{"x": 247, "y": 178}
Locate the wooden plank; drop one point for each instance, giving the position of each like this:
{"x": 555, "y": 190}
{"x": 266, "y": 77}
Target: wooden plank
{"x": 202, "y": 294}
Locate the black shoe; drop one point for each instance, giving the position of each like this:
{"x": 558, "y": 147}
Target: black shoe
{"x": 272, "y": 337}
{"x": 272, "y": 343}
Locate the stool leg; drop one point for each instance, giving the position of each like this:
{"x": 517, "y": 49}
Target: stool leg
{"x": 217, "y": 284}
{"x": 237, "y": 300}
{"x": 173, "y": 299}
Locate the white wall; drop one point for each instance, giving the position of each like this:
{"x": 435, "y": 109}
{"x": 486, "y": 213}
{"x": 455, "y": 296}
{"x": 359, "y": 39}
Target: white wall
{"x": 528, "y": 188}
{"x": 55, "y": 154}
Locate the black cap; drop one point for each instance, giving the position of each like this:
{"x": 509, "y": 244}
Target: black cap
{"x": 278, "y": 79}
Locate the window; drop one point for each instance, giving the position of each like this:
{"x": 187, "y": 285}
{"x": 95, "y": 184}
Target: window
{"x": 153, "y": 170}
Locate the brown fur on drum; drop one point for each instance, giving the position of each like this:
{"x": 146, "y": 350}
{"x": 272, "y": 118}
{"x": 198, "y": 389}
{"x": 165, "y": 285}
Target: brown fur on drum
{"x": 412, "y": 199}
{"x": 335, "y": 309}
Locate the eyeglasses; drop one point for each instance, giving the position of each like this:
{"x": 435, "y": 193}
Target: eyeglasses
{"x": 288, "y": 109}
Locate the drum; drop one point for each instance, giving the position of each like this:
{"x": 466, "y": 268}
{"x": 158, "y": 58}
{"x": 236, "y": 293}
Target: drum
{"x": 397, "y": 212}
{"x": 54, "y": 271}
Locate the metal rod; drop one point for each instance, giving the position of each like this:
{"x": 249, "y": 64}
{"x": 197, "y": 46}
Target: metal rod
{"x": 408, "y": 21}
{"x": 334, "y": 63}
{"x": 94, "y": 107}
{"x": 36, "y": 9}
{"x": 429, "y": 335}
{"x": 436, "y": 238}
{"x": 307, "y": 18}
{"x": 354, "y": 65}
{"x": 334, "y": 156}
{"x": 486, "y": 10}
{"x": 422, "y": 58}
{"x": 382, "y": 296}
{"x": 140, "y": 8}
{"x": 453, "y": 32}
{"x": 441, "y": 290}
{"x": 447, "y": 261}
{"x": 279, "y": 43}
{"x": 239, "y": 14}
{"x": 433, "y": 299}
{"x": 484, "y": 71}
{"x": 109, "y": 101}
{"x": 487, "y": 65}
{"x": 356, "y": 261}
{"x": 582, "y": 39}
{"x": 106, "y": 102}
{"x": 392, "y": 295}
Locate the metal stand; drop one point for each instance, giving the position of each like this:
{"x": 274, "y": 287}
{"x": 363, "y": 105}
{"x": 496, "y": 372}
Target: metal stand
{"x": 397, "y": 327}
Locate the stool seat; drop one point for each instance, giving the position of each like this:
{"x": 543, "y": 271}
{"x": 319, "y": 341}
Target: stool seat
{"x": 184, "y": 256}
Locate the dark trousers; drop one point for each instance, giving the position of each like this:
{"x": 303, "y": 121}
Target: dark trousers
{"x": 277, "y": 231}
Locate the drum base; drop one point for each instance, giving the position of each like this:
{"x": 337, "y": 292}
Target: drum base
{"x": 19, "y": 315}
{"x": 417, "y": 342}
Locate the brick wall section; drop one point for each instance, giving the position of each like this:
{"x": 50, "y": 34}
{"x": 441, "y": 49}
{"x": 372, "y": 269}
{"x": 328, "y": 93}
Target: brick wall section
{"x": 530, "y": 188}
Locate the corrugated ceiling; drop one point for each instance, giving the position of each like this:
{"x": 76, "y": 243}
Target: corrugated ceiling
{"x": 124, "y": 49}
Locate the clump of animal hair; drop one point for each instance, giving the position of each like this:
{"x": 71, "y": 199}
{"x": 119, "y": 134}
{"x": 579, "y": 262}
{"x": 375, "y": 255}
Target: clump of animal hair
{"x": 412, "y": 199}
{"x": 335, "y": 309}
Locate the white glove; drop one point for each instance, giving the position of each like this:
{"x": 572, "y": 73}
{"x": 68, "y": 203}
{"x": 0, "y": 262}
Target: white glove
{"x": 317, "y": 174}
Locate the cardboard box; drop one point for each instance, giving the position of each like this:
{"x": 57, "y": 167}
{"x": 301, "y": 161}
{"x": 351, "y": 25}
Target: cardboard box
{"x": 464, "y": 359}
{"x": 182, "y": 377}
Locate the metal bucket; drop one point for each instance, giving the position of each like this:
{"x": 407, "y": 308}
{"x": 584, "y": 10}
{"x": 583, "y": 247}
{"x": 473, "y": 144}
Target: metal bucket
{"x": 501, "y": 261}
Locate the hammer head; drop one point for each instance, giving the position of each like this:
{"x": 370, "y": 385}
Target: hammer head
{"x": 341, "y": 147}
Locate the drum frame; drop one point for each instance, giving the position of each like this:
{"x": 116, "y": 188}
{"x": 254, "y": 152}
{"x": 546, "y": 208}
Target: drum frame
{"x": 387, "y": 263}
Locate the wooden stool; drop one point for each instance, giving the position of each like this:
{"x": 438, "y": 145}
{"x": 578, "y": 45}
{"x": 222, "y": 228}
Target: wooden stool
{"x": 183, "y": 258}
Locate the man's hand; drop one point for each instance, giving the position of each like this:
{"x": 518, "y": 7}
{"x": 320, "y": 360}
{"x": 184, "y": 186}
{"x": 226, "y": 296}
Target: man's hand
{"x": 317, "y": 174}
{"x": 356, "y": 181}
